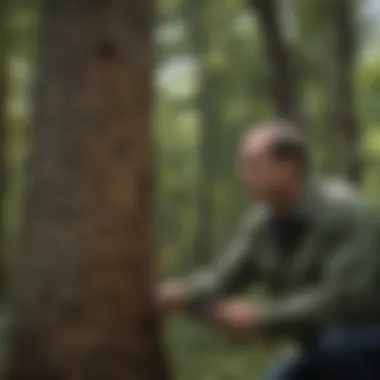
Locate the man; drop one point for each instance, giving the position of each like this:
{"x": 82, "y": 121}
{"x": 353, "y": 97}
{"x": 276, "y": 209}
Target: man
{"x": 315, "y": 246}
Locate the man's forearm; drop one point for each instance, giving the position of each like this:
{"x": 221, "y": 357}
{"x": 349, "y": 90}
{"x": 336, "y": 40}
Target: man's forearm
{"x": 206, "y": 289}
{"x": 315, "y": 308}
{"x": 300, "y": 312}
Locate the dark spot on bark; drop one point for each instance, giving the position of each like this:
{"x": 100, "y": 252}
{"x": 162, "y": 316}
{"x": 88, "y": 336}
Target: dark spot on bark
{"x": 106, "y": 50}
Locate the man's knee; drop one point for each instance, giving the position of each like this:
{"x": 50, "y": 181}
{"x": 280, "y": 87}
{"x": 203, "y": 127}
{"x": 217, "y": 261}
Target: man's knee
{"x": 350, "y": 352}
{"x": 340, "y": 353}
{"x": 297, "y": 368}
{"x": 350, "y": 339}
{"x": 283, "y": 371}
{"x": 335, "y": 339}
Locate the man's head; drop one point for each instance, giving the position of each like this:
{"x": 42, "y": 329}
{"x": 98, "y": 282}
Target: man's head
{"x": 273, "y": 159}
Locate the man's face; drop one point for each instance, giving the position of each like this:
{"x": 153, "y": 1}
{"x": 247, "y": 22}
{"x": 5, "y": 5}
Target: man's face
{"x": 263, "y": 176}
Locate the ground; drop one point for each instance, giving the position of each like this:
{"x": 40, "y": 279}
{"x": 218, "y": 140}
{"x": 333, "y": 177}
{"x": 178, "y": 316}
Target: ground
{"x": 197, "y": 352}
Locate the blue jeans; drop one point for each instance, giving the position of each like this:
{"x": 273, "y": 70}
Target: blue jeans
{"x": 349, "y": 353}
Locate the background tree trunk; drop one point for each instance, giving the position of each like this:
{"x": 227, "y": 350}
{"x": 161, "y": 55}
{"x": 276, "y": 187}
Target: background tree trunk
{"x": 207, "y": 103}
{"x": 3, "y": 144}
{"x": 279, "y": 53}
{"x": 83, "y": 307}
{"x": 345, "y": 118}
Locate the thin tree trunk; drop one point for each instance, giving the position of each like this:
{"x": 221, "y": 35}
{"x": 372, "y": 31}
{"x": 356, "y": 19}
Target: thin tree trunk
{"x": 3, "y": 143}
{"x": 207, "y": 105}
{"x": 83, "y": 305}
{"x": 279, "y": 52}
{"x": 203, "y": 239}
{"x": 344, "y": 111}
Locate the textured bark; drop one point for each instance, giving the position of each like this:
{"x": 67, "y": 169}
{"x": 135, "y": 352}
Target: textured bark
{"x": 344, "y": 112}
{"x": 279, "y": 52}
{"x": 83, "y": 305}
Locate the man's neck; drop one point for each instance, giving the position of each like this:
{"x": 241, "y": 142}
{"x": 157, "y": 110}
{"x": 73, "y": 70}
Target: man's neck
{"x": 288, "y": 200}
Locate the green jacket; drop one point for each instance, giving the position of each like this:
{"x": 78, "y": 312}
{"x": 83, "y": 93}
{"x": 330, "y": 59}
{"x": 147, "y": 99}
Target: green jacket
{"x": 334, "y": 277}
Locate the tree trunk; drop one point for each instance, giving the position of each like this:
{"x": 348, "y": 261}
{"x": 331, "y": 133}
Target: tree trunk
{"x": 279, "y": 52}
{"x": 83, "y": 305}
{"x": 344, "y": 111}
{"x": 207, "y": 105}
{"x": 3, "y": 143}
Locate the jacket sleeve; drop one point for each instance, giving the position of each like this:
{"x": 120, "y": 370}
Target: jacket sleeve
{"x": 235, "y": 271}
{"x": 349, "y": 289}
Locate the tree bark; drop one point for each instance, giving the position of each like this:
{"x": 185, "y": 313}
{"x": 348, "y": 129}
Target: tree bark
{"x": 279, "y": 52}
{"x": 344, "y": 112}
{"x": 83, "y": 307}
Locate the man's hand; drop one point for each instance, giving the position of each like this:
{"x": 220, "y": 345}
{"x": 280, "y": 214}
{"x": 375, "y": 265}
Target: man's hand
{"x": 171, "y": 296}
{"x": 237, "y": 317}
